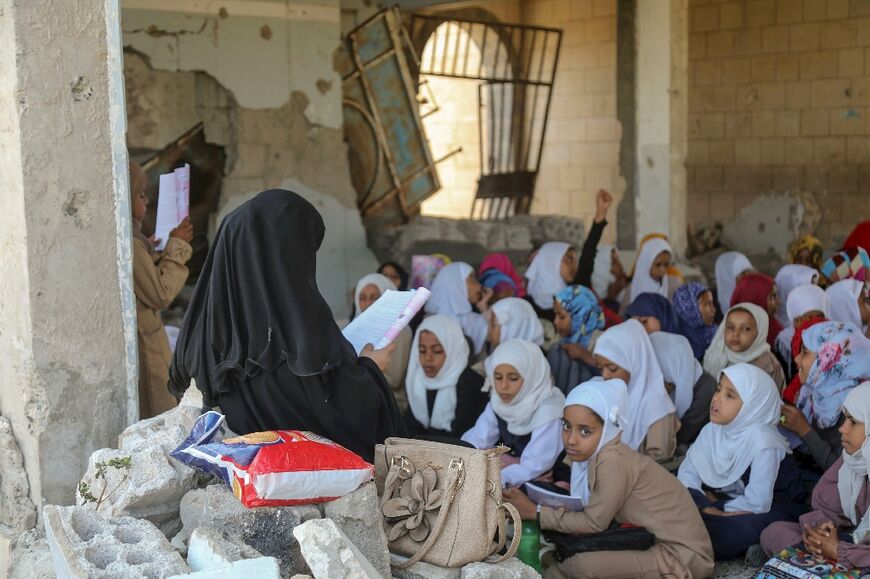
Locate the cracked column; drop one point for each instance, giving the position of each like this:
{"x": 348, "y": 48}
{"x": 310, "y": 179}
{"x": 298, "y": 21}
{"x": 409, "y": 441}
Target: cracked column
{"x": 67, "y": 315}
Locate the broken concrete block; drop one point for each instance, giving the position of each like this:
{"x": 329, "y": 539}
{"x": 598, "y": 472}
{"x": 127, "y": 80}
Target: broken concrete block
{"x": 84, "y": 544}
{"x": 211, "y": 548}
{"x": 359, "y": 516}
{"x": 329, "y": 553}
{"x": 423, "y": 570}
{"x": 16, "y": 509}
{"x": 166, "y": 430}
{"x": 152, "y": 490}
{"x": 266, "y": 529}
{"x": 261, "y": 568}
{"x": 30, "y": 557}
{"x": 513, "y": 568}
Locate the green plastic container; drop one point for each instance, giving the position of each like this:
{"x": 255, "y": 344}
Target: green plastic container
{"x": 529, "y": 551}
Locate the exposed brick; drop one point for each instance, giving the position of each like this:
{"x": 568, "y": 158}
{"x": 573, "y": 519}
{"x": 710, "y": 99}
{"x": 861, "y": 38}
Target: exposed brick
{"x": 722, "y": 206}
{"x": 860, "y": 7}
{"x": 863, "y": 31}
{"x": 580, "y": 9}
{"x": 720, "y": 44}
{"x": 855, "y": 205}
{"x": 798, "y": 95}
{"x": 788, "y": 177}
{"x": 706, "y": 72}
{"x": 847, "y": 122}
{"x": 798, "y": 151}
{"x": 788, "y": 66}
{"x": 738, "y": 124}
{"x": 861, "y": 91}
{"x": 708, "y": 178}
{"x": 748, "y": 97}
{"x": 697, "y": 46}
{"x": 775, "y": 39}
{"x": 830, "y": 151}
{"x": 773, "y": 95}
{"x": 605, "y": 7}
{"x": 851, "y": 62}
{"x": 815, "y": 123}
{"x": 814, "y": 10}
{"x": 601, "y": 30}
{"x": 697, "y": 205}
{"x": 707, "y": 126}
{"x": 772, "y": 151}
{"x": 747, "y": 152}
{"x": 788, "y": 11}
{"x": 713, "y": 99}
{"x": 844, "y": 179}
{"x": 763, "y": 68}
{"x": 804, "y": 36}
{"x": 819, "y": 64}
{"x": 858, "y": 150}
{"x": 731, "y": 15}
{"x": 722, "y": 152}
{"x": 747, "y": 41}
{"x": 840, "y": 34}
{"x": 837, "y": 9}
{"x": 699, "y": 152}
{"x": 736, "y": 70}
{"x": 832, "y": 93}
{"x": 705, "y": 18}
{"x": 760, "y": 12}
{"x": 764, "y": 124}
{"x": 788, "y": 123}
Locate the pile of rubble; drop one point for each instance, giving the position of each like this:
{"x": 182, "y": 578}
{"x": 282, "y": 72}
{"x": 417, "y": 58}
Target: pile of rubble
{"x": 159, "y": 518}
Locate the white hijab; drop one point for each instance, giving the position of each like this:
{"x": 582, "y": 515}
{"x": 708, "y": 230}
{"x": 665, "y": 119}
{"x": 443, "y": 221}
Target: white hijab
{"x": 788, "y": 278}
{"x": 602, "y": 276}
{"x": 627, "y": 345}
{"x": 450, "y": 298}
{"x": 722, "y": 453}
{"x": 728, "y": 266}
{"x": 382, "y": 282}
{"x": 642, "y": 282}
{"x": 679, "y": 367}
{"x": 538, "y": 401}
{"x": 517, "y": 319}
{"x": 545, "y": 273}
{"x": 843, "y": 299}
{"x": 801, "y": 300}
{"x": 606, "y": 398}
{"x": 449, "y": 333}
{"x": 850, "y": 477}
{"x": 720, "y": 356}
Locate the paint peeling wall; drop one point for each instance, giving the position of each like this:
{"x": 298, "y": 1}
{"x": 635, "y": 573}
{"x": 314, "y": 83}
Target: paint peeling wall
{"x": 276, "y": 131}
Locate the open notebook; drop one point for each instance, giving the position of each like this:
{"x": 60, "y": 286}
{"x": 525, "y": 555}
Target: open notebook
{"x": 383, "y": 320}
{"x": 547, "y": 497}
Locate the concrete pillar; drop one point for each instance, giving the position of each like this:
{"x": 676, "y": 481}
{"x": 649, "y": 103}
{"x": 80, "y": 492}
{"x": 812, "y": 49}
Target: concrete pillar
{"x": 67, "y": 315}
{"x": 662, "y": 118}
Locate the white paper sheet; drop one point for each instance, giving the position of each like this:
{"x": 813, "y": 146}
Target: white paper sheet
{"x": 383, "y": 320}
{"x": 173, "y": 203}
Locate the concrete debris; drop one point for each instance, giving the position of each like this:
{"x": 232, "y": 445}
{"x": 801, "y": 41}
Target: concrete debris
{"x": 166, "y": 430}
{"x": 772, "y": 222}
{"x": 269, "y": 530}
{"x": 84, "y": 544}
{"x": 261, "y": 568}
{"x": 30, "y": 557}
{"x": 16, "y": 509}
{"x": 153, "y": 488}
{"x": 329, "y": 553}
{"x": 513, "y": 568}
{"x": 359, "y": 516}
{"x": 423, "y": 570}
{"x": 211, "y": 548}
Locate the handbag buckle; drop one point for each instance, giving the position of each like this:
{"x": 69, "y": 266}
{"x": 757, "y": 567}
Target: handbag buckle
{"x": 491, "y": 492}
{"x": 455, "y": 463}
{"x": 404, "y": 471}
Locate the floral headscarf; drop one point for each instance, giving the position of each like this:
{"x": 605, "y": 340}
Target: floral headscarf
{"x": 686, "y": 305}
{"x": 852, "y": 263}
{"x": 586, "y": 313}
{"x": 791, "y": 391}
{"x": 811, "y": 244}
{"x": 842, "y": 362}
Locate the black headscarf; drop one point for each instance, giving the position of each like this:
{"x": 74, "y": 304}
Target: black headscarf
{"x": 403, "y": 273}
{"x": 256, "y": 305}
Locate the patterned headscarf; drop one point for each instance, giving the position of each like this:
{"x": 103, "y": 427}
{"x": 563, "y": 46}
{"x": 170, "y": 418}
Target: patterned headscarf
{"x": 810, "y": 243}
{"x": 586, "y": 313}
{"x": 686, "y": 305}
{"x": 852, "y": 263}
{"x": 842, "y": 362}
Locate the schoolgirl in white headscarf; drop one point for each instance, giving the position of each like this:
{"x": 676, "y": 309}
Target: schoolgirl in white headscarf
{"x": 801, "y": 301}
{"x": 843, "y": 297}
{"x": 788, "y": 278}
{"x": 378, "y": 280}
{"x": 729, "y": 266}
{"x": 545, "y": 274}
{"x": 450, "y": 298}
{"x": 651, "y": 421}
{"x": 529, "y": 423}
{"x": 679, "y": 367}
{"x": 642, "y": 282}
{"x": 602, "y": 274}
{"x": 516, "y": 319}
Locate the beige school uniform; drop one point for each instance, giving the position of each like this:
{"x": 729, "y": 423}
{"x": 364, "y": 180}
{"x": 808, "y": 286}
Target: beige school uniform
{"x": 661, "y": 438}
{"x": 398, "y": 368}
{"x": 629, "y": 487}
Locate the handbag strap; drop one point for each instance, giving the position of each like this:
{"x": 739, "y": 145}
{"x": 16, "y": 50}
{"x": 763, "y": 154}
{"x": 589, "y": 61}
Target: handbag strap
{"x": 515, "y": 541}
{"x": 452, "y": 482}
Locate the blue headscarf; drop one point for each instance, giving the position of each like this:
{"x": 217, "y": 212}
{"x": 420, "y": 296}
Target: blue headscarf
{"x": 842, "y": 363}
{"x": 693, "y": 328}
{"x": 586, "y": 315}
{"x": 497, "y": 280}
{"x": 656, "y": 306}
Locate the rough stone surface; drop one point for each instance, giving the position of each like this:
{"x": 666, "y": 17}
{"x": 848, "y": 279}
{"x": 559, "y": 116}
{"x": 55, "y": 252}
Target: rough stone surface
{"x": 358, "y": 515}
{"x": 16, "y": 509}
{"x": 329, "y": 553}
{"x": 165, "y": 430}
{"x": 210, "y": 548}
{"x": 30, "y": 557}
{"x": 513, "y": 568}
{"x": 772, "y": 222}
{"x": 423, "y": 570}
{"x": 267, "y": 529}
{"x": 153, "y": 490}
{"x": 84, "y": 544}
{"x": 259, "y": 568}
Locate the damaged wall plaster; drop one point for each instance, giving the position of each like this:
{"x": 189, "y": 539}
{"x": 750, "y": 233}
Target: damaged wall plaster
{"x": 226, "y": 40}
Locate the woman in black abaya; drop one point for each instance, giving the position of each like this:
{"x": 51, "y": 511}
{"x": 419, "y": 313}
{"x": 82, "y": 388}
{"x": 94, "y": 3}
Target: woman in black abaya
{"x": 261, "y": 342}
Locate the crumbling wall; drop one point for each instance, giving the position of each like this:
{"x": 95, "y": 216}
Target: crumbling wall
{"x": 778, "y": 101}
{"x": 263, "y": 85}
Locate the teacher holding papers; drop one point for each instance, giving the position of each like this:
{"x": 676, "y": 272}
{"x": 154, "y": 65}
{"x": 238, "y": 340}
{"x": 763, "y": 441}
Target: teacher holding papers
{"x": 262, "y": 344}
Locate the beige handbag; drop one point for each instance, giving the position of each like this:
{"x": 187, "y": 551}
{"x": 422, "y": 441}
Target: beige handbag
{"x": 442, "y": 503}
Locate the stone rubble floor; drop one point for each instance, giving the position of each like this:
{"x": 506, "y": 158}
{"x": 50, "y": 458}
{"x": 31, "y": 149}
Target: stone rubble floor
{"x": 733, "y": 568}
